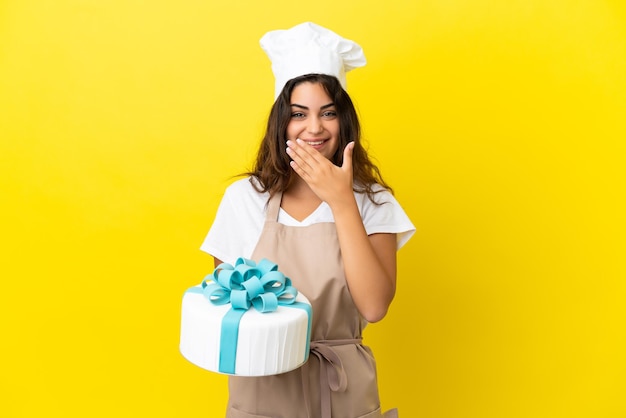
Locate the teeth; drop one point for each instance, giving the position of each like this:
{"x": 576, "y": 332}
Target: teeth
{"x": 316, "y": 143}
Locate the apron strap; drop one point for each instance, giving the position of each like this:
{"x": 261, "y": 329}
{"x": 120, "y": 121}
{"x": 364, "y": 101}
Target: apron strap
{"x": 333, "y": 376}
{"x": 273, "y": 206}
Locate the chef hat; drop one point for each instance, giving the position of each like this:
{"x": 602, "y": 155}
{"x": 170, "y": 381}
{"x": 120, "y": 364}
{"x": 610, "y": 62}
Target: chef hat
{"x": 310, "y": 48}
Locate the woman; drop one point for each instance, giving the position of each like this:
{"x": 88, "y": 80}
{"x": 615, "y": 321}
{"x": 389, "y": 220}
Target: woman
{"x": 316, "y": 205}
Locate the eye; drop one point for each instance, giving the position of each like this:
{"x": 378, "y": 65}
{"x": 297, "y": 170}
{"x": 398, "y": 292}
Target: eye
{"x": 297, "y": 115}
{"x": 329, "y": 114}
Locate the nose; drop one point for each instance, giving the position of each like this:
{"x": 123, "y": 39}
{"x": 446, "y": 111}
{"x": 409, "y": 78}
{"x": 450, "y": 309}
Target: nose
{"x": 315, "y": 125}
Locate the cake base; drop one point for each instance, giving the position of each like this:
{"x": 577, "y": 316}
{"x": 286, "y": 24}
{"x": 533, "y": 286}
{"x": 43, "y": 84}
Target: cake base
{"x": 267, "y": 343}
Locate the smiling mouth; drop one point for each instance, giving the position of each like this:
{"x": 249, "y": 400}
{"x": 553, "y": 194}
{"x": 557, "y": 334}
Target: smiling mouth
{"x": 315, "y": 143}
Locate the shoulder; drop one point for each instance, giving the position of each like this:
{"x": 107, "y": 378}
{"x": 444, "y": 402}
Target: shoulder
{"x": 242, "y": 202}
{"x": 243, "y": 191}
{"x": 242, "y": 186}
{"x": 380, "y": 197}
{"x": 384, "y": 215}
{"x": 238, "y": 222}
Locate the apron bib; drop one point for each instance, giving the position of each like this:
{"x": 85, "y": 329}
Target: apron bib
{"x": 339, "y": 379}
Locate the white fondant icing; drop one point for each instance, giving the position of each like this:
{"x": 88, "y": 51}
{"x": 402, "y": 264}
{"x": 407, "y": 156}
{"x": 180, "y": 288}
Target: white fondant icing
{"x": 268, "y": 343}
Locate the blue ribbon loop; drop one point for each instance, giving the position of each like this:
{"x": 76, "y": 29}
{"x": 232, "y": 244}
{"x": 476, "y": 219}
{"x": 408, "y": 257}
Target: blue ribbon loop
{"x": 247, "y": 284}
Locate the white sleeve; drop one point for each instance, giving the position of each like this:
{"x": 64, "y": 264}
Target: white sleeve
{"x": 388, "y": 217}
{"x": 238, "y": 223}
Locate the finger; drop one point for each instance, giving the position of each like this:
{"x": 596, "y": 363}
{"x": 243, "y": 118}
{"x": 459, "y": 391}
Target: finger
{"x": 305, "y": 155}
{"x": 308, "y": 152}
{"x": 347, "y": 156}
{"x": 299, "y": 171}
{"x": 297, "y": 155}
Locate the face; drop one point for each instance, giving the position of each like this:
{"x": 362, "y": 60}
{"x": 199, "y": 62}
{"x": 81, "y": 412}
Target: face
{"x": 314, "y": 118}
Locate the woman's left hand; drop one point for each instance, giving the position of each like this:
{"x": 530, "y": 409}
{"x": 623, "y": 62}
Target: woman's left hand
{"x": 329, "y": 182}
{"x": 369, "y": 261}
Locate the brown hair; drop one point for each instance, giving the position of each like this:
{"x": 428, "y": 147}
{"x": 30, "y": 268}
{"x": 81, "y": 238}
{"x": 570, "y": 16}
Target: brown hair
{"x": 272, "y": 169}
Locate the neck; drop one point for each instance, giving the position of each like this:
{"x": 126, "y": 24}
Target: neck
{"x": 299, "y": 201}
{"x": 300, "y": 189}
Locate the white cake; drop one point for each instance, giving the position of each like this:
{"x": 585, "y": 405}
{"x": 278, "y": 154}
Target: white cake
{"x": 267, "y": 343}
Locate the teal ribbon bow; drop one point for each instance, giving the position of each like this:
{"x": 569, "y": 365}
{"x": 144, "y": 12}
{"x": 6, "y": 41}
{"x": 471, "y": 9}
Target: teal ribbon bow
{"x": 247, "y": 284}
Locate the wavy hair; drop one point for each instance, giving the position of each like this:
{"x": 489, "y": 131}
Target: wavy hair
{"x": 271, "y": 168}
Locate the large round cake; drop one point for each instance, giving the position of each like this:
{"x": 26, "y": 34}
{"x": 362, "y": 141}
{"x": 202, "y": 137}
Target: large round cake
{"x": 264, "y": 343}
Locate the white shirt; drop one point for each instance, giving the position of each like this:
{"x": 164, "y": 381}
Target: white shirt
{"x": 241, "y": 215}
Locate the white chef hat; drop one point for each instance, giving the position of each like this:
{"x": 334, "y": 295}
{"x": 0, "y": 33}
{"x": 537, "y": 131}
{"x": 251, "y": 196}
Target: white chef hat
{"x": 310, "y": 48}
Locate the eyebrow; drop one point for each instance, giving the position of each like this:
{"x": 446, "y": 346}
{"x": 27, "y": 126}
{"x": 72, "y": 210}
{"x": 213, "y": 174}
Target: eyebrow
{"x": 326, "y": 106}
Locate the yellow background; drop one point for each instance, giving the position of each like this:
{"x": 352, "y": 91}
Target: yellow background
{"x": 501, "y": 126}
